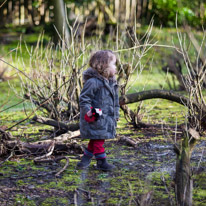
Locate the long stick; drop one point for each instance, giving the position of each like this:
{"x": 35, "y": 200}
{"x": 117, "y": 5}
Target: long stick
{"x": 3, "y": 3}
{"x": 65, "y": 166}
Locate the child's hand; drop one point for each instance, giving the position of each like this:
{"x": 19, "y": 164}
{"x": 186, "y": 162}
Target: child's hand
{"x": 89, "y": 113}
{"x": 93, "y": 114}
{"x": 88, "y": 117}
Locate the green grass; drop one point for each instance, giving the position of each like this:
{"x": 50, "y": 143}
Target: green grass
{"x": 124, "y": 185}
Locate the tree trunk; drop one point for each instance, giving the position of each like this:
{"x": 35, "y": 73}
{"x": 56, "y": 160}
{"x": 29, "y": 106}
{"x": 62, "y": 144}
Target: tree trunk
{"x": 42, "y": 12}
{"x": 133, "y": 11}
{"x": 60, "y": 20}
{"x": 19, "y": 12}
{"x": 183, "y": 187}
{"x": 25, "y": 10}
{"x": 183, "y": 180}
{"x": 2, "y": 16}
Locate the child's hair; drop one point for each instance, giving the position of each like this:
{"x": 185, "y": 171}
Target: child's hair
{"x": 100, "y": 61}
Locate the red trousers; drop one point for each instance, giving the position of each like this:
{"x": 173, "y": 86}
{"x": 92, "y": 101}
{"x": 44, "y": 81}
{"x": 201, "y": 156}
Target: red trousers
{"x": 96, "y": 146}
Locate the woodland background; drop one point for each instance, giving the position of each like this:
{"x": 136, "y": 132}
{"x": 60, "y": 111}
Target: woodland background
{"x": 159, "y": 150}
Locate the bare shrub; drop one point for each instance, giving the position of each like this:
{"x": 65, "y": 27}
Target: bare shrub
{"x": 130, "y": 72}
{"x": 54, "y": 77}
{"x": 194, "y": 84}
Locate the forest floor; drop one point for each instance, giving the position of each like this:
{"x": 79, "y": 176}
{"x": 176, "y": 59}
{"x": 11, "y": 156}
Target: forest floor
{"x": 142, "y": 172}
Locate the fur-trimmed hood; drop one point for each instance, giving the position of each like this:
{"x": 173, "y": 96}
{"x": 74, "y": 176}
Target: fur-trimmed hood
{"x": 90, "y": 73}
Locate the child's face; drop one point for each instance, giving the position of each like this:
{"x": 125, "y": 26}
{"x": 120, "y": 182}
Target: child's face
{"x": 112, "y": 67}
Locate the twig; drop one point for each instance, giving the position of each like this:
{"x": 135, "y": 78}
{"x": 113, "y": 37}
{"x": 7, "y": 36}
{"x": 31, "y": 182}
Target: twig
{"x": 51, "y": 122}
{"x": 3, "y": 3}
{"x": 146, "y": 199}
{"x": 12, "y": 153}
{"x": 48, "y": 154}
{"x": 148, "y": 45}
{"x": 19, "y": 71}
{"x": 49, "y": 160}
{"x": 42, "y": 103}
{"x": 200, "y": 159}
{"x": 64, "y": 168}
{"x": 75, "y": 197}
{"x": 170, "y": 197}
{"x": 13, "y": 106}
{"x": 131, "y": 195}
{"x": 85, "y": 191}
{"x": 28, "y": 115}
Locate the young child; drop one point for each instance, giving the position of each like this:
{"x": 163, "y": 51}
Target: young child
{"x": 100, "y": 93}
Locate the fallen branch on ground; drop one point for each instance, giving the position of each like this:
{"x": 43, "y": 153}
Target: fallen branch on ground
{"x": 50, "y": 151}
{"x": 198, "y": 109}
{"x": 64, "y": 144}
{"x": 128, "y": 141}
{"x": 11, "y": 155}
{"x": 64, "y": 168}
{"x": 5, "y": 135}
{"x": 152, "y": 94}
{"x": 58, "y": 125}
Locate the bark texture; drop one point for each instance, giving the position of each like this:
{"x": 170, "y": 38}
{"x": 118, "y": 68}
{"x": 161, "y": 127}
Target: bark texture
{"x": 61, "y": 126}
{"x": 60, "y": 19}
{"x": 152, "y": 94}
{"x": 183, "y": 177}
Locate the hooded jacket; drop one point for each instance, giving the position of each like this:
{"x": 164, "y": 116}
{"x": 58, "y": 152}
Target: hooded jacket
{"x": 102, "y": 93}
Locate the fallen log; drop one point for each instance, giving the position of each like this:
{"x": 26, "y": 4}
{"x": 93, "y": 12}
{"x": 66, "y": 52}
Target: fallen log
{"x": 39, "y": 149}
{"x": 152, "y": 94}
{"x": 62, "y": 144}
{"x": 58, "y": 125}
{"x": 199, "y": 110}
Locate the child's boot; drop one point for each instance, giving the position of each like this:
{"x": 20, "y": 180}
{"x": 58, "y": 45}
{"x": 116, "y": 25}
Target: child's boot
{"x": 85, "y": 161}
{"x": 102, "y": 163}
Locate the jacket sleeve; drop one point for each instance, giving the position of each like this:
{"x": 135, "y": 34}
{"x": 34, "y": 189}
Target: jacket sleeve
{"x": 117, "y": 101}
{"x": 87, "y": 95}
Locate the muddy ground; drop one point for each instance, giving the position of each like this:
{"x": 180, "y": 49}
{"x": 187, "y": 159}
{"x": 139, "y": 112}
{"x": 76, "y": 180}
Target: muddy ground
{"x": 142, "y": 172}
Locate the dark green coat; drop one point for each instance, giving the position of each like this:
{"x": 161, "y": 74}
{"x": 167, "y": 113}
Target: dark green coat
{"x": 99, "y": 92}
